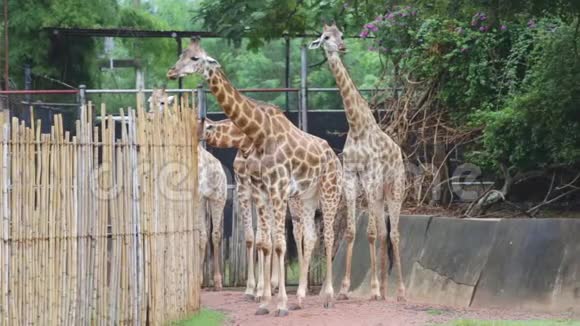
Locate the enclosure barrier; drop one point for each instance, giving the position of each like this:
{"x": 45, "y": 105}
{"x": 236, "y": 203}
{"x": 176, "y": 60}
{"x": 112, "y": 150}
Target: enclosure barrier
{"x": 512, "y": 263}
{"x": 97, "y": 230}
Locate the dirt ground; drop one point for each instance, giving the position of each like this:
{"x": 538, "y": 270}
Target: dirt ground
{"x": 355, "y": 312}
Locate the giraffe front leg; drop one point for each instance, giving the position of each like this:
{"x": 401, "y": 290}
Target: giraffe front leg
{"x": 350, "y": 194}
{"x": 245, "y": 209}
{"x": 217, "y": 217}
{"x": 275, "y": 273}
{"x": 307, "y": 217}
{"x": 279, "y": 199}
{"x": 295, "y": 206}
{"x": 331, "y": 194}
{"x": 265, "y": 256}
{"x": 264, "y": 244}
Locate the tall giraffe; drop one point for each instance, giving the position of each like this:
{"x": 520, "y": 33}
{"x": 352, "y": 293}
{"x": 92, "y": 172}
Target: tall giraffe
{"x": 213, "y": 190}
{"x": 372, "y": 160}
{"x": 289, "y": 163}
{"x": 225, "y": 134}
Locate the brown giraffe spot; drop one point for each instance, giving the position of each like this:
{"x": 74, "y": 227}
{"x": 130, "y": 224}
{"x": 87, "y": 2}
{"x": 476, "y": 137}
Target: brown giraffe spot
{"x": 210, "y": 73}
{"x": 274, "y": 177}
{"x": 243, "y": 121}
{"x": 214, "y": 89}
{"x": 252, "y": 128}
{"x": 302, "y": 170}
{"x": 347, "y": 102}
{"x": 228, "y": 88}
{"x": 281, "y": 156}
{"x": 280, "y": 139}
{"x": 312, "y": 159}
{"x": 300, "y": 153}
{"x": 237, "y": 97}
{"x": 258, "y": 117}
{"x": 221, "y": 97}
{"x": 234, "y": 114}
{"x": 292, "y": 142}
{"x": 276, "y": 124}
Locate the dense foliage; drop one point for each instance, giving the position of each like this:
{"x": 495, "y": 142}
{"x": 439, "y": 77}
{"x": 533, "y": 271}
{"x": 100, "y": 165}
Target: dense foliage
{"x": 509, "y": 69}
{"x": 517, "y": 78}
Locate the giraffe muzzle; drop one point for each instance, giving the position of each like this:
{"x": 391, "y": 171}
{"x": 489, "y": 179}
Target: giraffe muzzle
{"x": 172, "y": 74}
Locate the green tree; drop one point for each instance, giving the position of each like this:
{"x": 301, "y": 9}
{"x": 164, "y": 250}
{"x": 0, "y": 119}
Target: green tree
{"x": 69, "y": 60}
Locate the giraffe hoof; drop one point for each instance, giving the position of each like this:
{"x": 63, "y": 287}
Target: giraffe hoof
{"x": 342, "y": 296}
{"x": 281, "y": 313}
{"x": 377, "y": 297}
{"x": 401, "y": 298}
{"x": 294, "y": 306}
{"x": 217, "y": 289}
{"x": 249, "y": 297}
{"x": 329, "y": 305}
{"x": 262, "y": 312}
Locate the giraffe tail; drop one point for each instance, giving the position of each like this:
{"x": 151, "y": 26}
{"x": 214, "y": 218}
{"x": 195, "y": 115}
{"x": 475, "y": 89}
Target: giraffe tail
{"x": 390, "y": 252}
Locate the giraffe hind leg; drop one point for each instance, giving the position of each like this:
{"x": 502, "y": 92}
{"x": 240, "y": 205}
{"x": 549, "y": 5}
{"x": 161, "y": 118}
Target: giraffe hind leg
{"x": 217, "y": 217}
{"x": 394, "y": 207}
{"x": 350, "y": 195}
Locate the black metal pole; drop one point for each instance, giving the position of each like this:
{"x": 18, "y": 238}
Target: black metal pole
{"x": 303, "y": 114}
{"x": 179, "y": 50}
{"x": 287, "y": 73}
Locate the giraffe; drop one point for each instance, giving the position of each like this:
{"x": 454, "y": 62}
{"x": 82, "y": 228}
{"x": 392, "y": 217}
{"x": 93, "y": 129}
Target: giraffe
{"x": 373, "y": 162}
{"x": 288, "y": 163}
{"x": 224, "y": 134}
{"x": 160, "y": 99}
{"x": 212, "y": 189}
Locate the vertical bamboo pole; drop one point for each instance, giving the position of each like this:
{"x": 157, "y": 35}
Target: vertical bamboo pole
{"x": 5, "y": 222}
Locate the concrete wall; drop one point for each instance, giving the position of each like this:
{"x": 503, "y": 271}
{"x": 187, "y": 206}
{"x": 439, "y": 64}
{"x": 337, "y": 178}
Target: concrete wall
{"x": 531, "y": 264}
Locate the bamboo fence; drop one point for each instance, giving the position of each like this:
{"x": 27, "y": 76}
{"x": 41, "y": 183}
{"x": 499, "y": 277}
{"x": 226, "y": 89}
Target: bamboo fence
{"x": 97, "y": 230}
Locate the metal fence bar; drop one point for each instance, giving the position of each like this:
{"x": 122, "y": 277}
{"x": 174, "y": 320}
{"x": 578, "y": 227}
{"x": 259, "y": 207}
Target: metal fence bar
{"x": 39, "y": 91}
{"x": 303, "y": 118}
{"x": 181, "y": 90}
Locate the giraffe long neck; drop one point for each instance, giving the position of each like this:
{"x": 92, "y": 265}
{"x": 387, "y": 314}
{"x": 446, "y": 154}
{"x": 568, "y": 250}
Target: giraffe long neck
{"x": 238, "y": 108}
{"x": 357, "y": 110}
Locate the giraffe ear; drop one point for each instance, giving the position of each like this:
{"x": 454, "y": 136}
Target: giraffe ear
{"x": 316, "y": 43}
{"x": 212, "y": 61}
{"x": 170, "y": 100}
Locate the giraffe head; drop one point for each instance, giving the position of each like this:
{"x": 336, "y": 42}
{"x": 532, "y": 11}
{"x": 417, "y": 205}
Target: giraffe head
{"x": 223, "y": 134}
{"x": 193, "y": 60}
{"x": 331, "y": 40}
{"x": 159, "y": 99}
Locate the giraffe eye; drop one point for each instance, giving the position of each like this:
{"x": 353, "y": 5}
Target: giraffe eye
{"x": 194, "y": 58}
{"x": 326, "y": 37}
